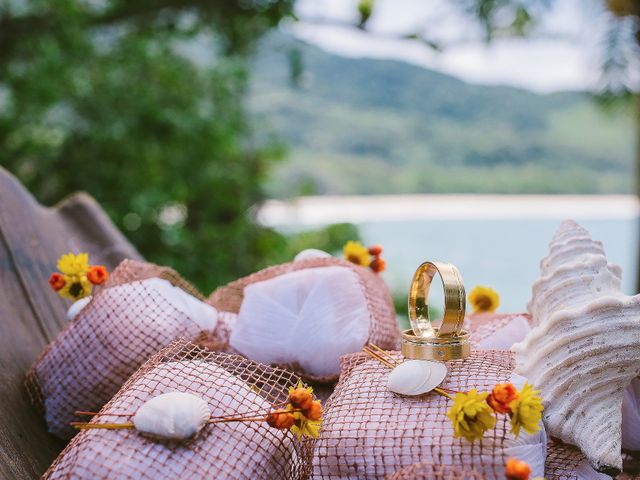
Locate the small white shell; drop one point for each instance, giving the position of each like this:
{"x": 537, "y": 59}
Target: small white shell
{"x": 416, "y": 377}
{"x": 174, "y": 415}
{"x": 76, "y": 306}
{"x": 310, "y": 253}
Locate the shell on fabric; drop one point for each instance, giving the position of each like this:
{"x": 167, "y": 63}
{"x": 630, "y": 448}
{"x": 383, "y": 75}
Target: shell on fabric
{"x": 416, "y": 377}
{"x": 76, "y": 306}
{"x": 173, "y": 416}
{"x": 310, "y": 253}
{"x": 584, "y": 348}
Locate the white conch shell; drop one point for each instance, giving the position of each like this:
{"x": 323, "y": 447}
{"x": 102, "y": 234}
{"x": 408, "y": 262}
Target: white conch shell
{"x": 76, "y": 306}
{"x": 584, "y": 349}
{"x": 310, "y": 253}
{"x": 416, "y": 377}
{"x": 173, "y": 415}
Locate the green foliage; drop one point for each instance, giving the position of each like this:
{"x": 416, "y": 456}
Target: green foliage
{"x": 364, "y": 126}
{"x": 111, "y": 102}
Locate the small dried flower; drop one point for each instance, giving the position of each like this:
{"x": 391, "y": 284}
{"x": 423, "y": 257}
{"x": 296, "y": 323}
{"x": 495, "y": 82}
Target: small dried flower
{"x": 526, "y": 410}
{"x": 517, "y": 470}
{"x": 57, "y": 281}
{"x": 304, "y": 427}
{"x": 471, "y": 415}
{"x": 501, "y": 396}
{"x": 375, "y": 250}
{"x": 97, "y": 274}
{"x": 301, "y": 398}
{"x": 280, "y": 419}
{"x": 314, "y": 411}
{"x": 484, "y": 299}
{"x": 71, "y": 264}
{"x": 356, "y": 253}
{"x": 378, "y": 265}
{"x": 76, "y": 287}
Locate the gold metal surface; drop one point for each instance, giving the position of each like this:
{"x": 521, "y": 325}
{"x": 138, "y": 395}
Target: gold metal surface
{"x": 441, "y": 348}
{"x": 454, "y": 300}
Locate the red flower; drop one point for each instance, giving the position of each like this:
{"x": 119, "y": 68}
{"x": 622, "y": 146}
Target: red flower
{"x": 301, "y": 398}
{"x": 378, "y": 265}
{"x": 314, "y": 411}
{"x": 517, "y": 470}
{"x": 501, "y": 396}
{"x": 375, "y": 250}
{"x": 97, "y": 274}
{"x": 57, "y": 281}
{"x": 280, "y": 419}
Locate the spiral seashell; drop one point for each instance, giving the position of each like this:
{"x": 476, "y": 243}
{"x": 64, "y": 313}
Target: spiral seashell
{"x": 584, "y": 349}
{"x": 172, "y": 416}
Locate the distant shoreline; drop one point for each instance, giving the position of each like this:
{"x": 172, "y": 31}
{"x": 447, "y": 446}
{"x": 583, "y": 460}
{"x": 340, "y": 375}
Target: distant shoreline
{"x": 320, "y": 210}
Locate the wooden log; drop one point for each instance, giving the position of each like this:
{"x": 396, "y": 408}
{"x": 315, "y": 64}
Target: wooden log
{"x": 32, "y": 238}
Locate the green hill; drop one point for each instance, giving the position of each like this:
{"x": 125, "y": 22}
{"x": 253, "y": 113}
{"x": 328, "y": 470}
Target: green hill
{"x": 365, "y": 126}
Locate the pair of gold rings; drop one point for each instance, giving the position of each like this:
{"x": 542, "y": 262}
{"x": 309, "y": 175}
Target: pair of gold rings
{"x": 449, "y": 341}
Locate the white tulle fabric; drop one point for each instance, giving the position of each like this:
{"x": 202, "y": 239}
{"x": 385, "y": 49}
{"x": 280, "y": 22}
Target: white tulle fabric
{"x": 515, "y": 331}
{"x": 204, "y": 315}
{"x": 308, "y": 318}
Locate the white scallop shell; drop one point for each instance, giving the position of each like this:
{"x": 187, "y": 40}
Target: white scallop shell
{"x": 173, "y": 415}
{"x": 76, "y": 306}
{"x": 584, "y": 349}
{"x": 310, "y": 253}
{"x": 416, "y": 377}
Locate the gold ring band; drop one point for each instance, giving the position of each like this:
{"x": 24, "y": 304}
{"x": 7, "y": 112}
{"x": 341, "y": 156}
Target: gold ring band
{"x": 435, "y": 348}
{"x": 454, "y": 300}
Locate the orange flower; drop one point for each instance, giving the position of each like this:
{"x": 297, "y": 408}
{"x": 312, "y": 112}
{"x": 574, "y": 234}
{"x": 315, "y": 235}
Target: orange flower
{"x": 97, "y": 274}
{"x": 314, "y": 411}
{"x": 375, "y": 250}
{"x": 378, "y": 265}
{"x": 57, "y": 281}
{"x": 280, "y": 419}
{"x": 501, "y": 396}
{"x": 301, "y": 398}
{"x": 517, "y": 470}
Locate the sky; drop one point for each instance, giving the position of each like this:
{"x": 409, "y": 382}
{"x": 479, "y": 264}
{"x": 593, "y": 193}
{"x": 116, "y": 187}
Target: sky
{"x": 563, "y": 54}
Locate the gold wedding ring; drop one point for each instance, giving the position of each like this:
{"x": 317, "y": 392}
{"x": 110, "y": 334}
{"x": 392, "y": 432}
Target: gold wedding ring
{"x": 449, "y": 341}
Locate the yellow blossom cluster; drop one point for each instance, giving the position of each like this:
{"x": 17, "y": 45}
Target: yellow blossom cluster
{"x": 473, "y": 413}
{"x": 76, "y": 276}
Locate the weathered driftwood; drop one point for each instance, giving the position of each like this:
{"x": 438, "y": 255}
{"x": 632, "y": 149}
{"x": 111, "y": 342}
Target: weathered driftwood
{"x": 32, "y": 237}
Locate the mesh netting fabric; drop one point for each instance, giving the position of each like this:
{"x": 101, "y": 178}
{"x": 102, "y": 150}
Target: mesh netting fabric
{"x": 485, "y": 325}
{"x": 368, "y": 432}
{"x": 231, "y": 385}
{"x": 125, "y": 322}
{"x": 430, "y": 471}
{"x": 383, "y": 328}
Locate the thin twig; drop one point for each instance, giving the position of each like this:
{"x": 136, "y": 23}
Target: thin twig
{"x": 371, "y": 353}
{"x": 384, "y": 353}
{"x": 106, "y": 426}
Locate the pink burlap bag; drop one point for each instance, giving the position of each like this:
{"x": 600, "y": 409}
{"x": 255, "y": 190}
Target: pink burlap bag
{"x": 142, "y": 308}
{"x": 232, "y": 386}
{"x": 369, "y": 432}
{"x": 379, "y": 320}
{"x": 430, "y": 471}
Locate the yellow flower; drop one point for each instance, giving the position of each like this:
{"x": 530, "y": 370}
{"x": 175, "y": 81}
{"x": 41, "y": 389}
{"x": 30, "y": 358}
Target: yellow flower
{"x": 75, "y": 287}
{"x": 471, "y": 415}
{"x": 526, "y": 410}
{"x": 303, "y": 427}
{"x": 484, "y": 299}
{"x": 71, "y": 264}
{"x": 357, "y": 253}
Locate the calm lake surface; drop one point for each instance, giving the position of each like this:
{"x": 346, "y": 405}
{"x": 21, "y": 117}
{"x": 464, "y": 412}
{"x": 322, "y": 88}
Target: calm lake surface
{"x": 494, "y": 240}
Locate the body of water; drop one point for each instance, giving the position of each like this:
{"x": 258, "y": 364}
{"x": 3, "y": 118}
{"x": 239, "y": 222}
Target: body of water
{"x": 494, "y": 240}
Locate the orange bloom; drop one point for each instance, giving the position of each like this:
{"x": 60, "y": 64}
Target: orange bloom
{"x": 501, "y": 396}
{"x": 57, "y": 281}
{"x": 280, "y": 419}
{"x": 97, "y": 274}
{"x": 378, "y": 265}
{"x": 375, "y": 250}
{"x": 517, "y": 470}
{"x": 301, "y": 398}
{"x": 314, "y": 411}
